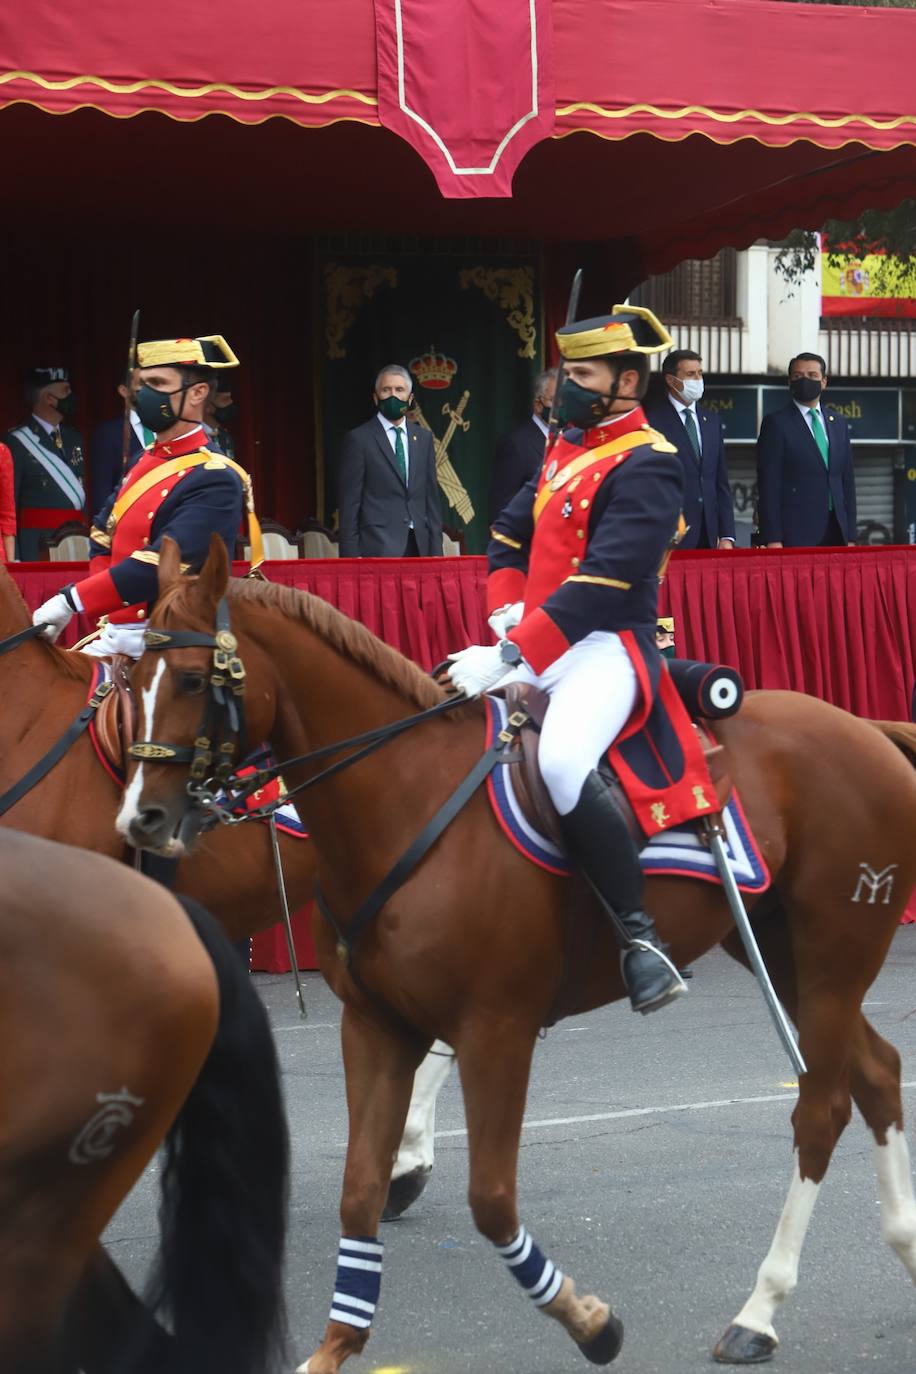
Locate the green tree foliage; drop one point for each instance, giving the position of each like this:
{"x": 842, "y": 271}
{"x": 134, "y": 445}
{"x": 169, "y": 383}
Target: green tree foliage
{"x": 890, "y": 232}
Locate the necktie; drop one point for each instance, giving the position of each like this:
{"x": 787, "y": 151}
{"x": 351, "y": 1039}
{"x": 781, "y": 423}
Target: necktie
{"x": 399, "y": 454}
{"x": 690, "y": 425}
{"x": 58, "y": 441}
{"x": 820, "y": 437}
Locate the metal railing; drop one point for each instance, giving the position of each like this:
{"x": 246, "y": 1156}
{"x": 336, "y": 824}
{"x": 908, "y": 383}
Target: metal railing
{"x": 698, "y": 301}
{"x": 859, "y": 347}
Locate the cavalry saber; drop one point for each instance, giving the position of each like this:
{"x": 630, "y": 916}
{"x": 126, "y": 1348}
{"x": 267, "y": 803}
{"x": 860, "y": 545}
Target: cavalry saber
{"x": 128, "y": 378}
{"x": 553, "y": 429}
{"x": 287, "y": 920}
{"x": 781, "y": 1021}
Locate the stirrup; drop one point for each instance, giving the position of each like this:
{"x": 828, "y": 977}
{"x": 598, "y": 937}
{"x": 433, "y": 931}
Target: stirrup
{"x": 654, "y": 949}
{"x": 669, "y": 994}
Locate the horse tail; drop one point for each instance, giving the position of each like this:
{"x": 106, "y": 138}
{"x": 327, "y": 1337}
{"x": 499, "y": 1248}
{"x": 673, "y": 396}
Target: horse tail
{"x": 219, "y": 1276}
{"x": 902, "y": 734}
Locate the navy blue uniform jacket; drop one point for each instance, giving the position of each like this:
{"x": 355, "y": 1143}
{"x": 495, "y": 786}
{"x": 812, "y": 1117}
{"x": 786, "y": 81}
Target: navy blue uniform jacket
{"x": 518, "y": 458}
{"x": 707, "y": 494}
{"x": 793, "y": 486}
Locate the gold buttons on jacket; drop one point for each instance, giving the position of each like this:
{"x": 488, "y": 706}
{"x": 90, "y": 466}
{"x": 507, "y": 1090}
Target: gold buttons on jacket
{"x": 150, "y": 514}
{"x": 575, "y": 562}
{"x": 164, "y": 491}
{"x": 583, "y": 504}
{"x": 580, "y": 534}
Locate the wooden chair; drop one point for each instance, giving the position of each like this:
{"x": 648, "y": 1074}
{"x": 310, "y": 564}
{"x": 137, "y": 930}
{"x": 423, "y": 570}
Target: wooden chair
{"x": 69, "y": 543}
{"x": 278, "y": 542}
{"x": 316, "y": 541}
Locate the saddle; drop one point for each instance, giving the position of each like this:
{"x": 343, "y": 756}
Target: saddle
{"x": 115, "y": 723}
{"x": 533, "y": 794}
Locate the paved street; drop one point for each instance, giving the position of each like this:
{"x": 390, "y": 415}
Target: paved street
{"x": 653, "y": 1170}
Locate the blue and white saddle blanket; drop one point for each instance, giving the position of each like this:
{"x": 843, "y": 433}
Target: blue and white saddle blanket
{"x": 676, "y": 853}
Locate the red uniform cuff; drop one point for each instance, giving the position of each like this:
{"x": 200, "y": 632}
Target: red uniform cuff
{"x": 540, "y": 639}
{"x": 99, "y": 594}
{"x": 503, "y": 587}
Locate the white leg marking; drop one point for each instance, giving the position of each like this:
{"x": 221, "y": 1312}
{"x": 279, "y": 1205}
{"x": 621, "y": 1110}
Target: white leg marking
{"x": 898, "y": 1204}
{"x": 134, "y": 789}
{"x": 416, "y": 1148}
{"x": 778, "y": 1274}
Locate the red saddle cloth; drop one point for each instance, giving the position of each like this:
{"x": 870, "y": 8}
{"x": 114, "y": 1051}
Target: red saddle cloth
{"x": 659, "y": 758}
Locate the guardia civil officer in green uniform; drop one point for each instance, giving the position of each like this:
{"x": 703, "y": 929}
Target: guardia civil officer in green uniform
{"x": 47, "y": 461}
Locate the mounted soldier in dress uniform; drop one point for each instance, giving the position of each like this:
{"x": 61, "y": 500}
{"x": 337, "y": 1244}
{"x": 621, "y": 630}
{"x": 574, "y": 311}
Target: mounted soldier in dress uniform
{"x": 47, "y": 454}
{"x": 573, "y": 591}
{"x": 178, "y": 487}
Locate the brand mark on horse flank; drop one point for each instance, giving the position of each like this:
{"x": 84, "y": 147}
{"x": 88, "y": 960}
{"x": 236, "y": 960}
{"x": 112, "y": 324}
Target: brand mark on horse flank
{"x": 96, "y": 1140}
{"x": 873, "y": 882}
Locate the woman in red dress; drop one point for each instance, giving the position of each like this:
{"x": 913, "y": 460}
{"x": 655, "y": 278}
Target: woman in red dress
{"x": 7, "y": 507}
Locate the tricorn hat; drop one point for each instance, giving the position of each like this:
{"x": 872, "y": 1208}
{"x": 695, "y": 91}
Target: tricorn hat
{"x": 44, "y": 376}
{"x": 628, "y": 329}
{"x": 211, "y": 350}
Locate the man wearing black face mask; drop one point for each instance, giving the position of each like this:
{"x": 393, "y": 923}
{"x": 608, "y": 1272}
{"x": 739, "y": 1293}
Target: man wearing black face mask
{"x": 47, "y": 451}
{"x": 221, "y": 411}
{"x": 573, "y": 591}
{"x": 805, "y": 476}
{"x": 387, "y": 489}
{"x": 178, "y": 488}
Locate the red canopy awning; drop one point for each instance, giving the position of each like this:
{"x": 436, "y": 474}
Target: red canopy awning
{"x": 672, "y": 128}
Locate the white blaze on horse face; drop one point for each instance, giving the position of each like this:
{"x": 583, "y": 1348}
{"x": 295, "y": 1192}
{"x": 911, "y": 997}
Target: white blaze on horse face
{"x": 898, "y": 1204}
{"x": 134, "y": 790}
{"x": 778, "y": 1274}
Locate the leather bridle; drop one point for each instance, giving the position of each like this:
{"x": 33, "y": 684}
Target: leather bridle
{"x": 219, "y": 742}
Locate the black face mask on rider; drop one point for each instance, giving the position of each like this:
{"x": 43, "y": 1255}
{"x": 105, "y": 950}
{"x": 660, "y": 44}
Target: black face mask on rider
{"x": 155, "y": 407}
{"x": 576, "y": 405}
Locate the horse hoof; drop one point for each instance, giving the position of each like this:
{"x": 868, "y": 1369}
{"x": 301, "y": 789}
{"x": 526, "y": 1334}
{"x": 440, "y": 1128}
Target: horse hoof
{"x": 404, "y": 1191}
{"x": 741, "y": 1346}
{"x": 604, "y": 1347}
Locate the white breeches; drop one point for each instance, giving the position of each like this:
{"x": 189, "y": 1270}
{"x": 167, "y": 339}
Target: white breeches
{"x": 118, "y": 639}
{"x": 592, "y": 689}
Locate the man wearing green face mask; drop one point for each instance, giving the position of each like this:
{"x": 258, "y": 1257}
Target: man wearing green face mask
{"x": 387, "y": 490}
{"x": 47, "y": 461}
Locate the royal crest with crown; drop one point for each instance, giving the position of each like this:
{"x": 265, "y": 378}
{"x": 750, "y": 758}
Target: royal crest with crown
{"x": 434, "y": 371}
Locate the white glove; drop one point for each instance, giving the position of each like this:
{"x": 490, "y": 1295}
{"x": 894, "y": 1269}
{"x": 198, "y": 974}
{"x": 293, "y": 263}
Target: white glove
{"x": 506, "y": 618}
{"x": 56, "y": 613}
{"x": 477, "y": 669}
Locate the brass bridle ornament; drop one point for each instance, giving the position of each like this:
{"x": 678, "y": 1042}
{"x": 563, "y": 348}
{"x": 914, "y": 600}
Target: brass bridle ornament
{"x": 220, "y": 736}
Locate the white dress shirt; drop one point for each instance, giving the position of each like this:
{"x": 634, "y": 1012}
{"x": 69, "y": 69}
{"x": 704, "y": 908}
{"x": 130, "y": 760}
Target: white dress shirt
{"x": 46, "y": 425}
{"x": 681, "y": 408}
{"x": 389, "y": 426}
{"x": 806, "y": 413}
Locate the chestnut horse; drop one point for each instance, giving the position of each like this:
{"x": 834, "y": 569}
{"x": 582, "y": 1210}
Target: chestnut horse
{"x": 471, "y": 948}
{"x": 124, "y": 1022}
{"x": 42, "y": 689}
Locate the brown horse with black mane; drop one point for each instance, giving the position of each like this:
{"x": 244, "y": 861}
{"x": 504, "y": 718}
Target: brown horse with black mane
{"x": 42, "y": 689}
{"x": 471, "y": 948}
{"x": 125, "y": 1018}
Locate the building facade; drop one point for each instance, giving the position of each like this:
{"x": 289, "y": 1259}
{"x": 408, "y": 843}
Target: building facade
{"x": 747, "y": 321}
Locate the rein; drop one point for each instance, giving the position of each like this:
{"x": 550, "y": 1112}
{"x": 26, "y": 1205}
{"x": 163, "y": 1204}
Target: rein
{"x": 39, "y": 770}
{"x": 226, "y": 661}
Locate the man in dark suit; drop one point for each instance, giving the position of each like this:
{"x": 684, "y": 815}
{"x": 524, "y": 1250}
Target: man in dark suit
{"x": 698, "y": 437}
{"x": 519, "y": 453}
{"x": 105, "y": 457}
{"x": 388, "y": 494}
{"x": 805, "y": 476}
{"x": 47, "y": 455}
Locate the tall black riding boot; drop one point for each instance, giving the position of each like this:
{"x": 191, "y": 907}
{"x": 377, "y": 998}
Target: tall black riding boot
{"x": 602, "y": 847}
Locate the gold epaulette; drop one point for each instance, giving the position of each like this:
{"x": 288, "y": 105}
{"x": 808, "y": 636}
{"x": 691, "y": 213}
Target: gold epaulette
{"x": 659, "y": 443}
